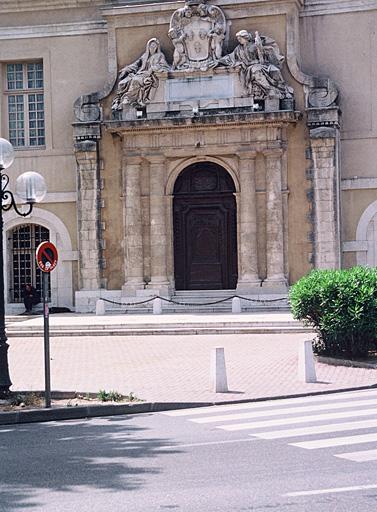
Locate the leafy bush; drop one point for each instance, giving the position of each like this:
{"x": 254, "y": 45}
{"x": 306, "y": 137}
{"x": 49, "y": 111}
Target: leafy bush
{"x": 341, "y": 305}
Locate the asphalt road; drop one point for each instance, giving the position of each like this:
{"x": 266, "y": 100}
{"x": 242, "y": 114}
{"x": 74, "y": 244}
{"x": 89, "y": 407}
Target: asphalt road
{"x": 316, "y": 454}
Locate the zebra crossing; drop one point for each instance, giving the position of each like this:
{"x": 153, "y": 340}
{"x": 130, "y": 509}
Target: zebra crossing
{"x": 310, "y": 423}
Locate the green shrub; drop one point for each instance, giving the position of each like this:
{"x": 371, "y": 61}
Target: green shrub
{"x": 341, "y": 305}
{"x": 109, "y": 396}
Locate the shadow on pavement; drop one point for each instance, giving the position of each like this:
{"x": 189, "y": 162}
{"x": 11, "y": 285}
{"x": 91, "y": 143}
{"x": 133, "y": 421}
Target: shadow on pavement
{"x": 102, "y": 454}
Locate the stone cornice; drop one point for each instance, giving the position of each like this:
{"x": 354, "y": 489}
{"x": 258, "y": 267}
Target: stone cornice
{"x": 359, "y": 183}
{"x": 54, "y": 30}
{"x": 308, "y": 7}
{"x": 322, "y": 7}
{"x": 226, "y": 121}
{"x": 8, "y": 6}
{"x": 169, "y": 6}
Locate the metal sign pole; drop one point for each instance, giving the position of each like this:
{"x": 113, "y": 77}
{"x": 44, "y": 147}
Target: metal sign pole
{"x": 46, "y": 341}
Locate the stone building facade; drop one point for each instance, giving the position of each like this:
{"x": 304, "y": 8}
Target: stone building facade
{"x": 191, "y": 146}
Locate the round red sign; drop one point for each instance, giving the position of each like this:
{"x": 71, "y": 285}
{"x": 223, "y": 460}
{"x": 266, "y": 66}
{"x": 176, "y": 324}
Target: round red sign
{"x": 47, "y": 256}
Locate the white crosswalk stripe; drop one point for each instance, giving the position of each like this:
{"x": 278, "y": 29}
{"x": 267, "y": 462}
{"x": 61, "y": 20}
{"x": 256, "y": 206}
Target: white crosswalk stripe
{"x": 337, "y": 441}
{"x": 288, "y": 410}
{"x": 319, "y": 429}
{"x": 298, "y": 419}
{"x": 304, "y": 417}
{"x": 262, "y": 405}
{"x": 362, "y": 456}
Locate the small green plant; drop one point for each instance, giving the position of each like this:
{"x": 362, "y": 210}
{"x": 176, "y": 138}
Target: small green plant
{"x": 109, "y": 396}
{"x": 114, "y": 396}
{"x": 341, "y": 305}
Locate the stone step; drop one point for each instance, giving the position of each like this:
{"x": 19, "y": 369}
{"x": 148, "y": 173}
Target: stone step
{"x": 156, "y": 330}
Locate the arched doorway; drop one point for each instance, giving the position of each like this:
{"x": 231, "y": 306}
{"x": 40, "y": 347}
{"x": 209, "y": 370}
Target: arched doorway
{"x": 22, "y": 235}
{"x": 205, "y": 229}
{"x": 23, "y": 241}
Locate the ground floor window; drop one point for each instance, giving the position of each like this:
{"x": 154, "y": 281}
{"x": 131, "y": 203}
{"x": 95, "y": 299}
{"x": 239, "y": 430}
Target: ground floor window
{"x": 23, "y": 241}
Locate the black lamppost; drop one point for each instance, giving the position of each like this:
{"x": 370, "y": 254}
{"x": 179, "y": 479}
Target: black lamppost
{"x": 31, "y": 188}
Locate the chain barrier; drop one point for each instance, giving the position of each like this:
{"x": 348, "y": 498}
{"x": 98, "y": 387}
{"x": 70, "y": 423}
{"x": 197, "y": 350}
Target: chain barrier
{"x": 129, "y": 303}
{"x": 195, "y": 304}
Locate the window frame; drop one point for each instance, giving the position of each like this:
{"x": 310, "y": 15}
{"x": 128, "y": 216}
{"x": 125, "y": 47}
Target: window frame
{"x": 25, "y": 93}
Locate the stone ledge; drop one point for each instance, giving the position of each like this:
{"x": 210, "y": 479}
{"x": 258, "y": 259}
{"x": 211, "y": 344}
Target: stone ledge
{"x": 216, "y": 119}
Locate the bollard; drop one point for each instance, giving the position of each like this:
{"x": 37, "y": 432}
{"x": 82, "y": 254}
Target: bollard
{"x": 100, "y": 307}
{"x": 236, "y": 305}
{"x": 219, "y": 382}
{"x": 157, "y": 306}
{"x": 306, "y": 366}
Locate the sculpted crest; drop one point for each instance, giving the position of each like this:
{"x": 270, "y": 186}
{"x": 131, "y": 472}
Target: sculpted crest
{"x": 197, "y": 32}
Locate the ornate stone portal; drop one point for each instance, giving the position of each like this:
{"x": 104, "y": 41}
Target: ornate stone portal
{"x": 232, "y": 110}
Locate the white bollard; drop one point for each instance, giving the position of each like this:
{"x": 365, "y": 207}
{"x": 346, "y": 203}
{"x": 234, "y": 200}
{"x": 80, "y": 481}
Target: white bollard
{"x": 219, "y": 382}
{"x": 157, "y": 306}
{"x": 236, "y": 305}
{"x": 306, "y": 366}
{"x": 100, "y": 307}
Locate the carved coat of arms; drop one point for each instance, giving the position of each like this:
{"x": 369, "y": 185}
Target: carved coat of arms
{"x": 197, "y": 31}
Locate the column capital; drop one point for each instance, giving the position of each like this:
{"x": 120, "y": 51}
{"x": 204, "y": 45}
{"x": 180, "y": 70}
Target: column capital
{"x": 156, "y": 158}
{"x": 247, "y": 154}
{"x": 272, "y": 153}
{"x": 132, "y": 159}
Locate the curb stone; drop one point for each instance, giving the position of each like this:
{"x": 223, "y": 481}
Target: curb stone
{"x": 95, "y": 411}
{"x": 335, "y": 361}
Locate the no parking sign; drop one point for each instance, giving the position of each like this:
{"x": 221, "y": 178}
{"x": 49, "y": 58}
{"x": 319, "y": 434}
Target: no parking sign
{"x": 47, "y": 256}
{"x": 47, "y": 259}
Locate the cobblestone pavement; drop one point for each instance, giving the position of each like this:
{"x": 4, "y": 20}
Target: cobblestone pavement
{"x": 175, "y": 368}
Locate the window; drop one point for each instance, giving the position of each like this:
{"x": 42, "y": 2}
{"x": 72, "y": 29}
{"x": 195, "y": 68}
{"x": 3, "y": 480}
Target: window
{"x": 23, "y": 242}
{"x": 24, "y": 91}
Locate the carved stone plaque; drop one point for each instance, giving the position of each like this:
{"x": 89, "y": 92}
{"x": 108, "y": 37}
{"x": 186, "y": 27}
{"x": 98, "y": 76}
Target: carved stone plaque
{"x": 180, "y": 89}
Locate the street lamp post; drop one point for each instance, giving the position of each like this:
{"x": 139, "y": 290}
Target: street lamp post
{"x": 31, "y": 188}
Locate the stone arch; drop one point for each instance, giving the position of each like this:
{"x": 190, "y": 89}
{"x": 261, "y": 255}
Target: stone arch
{"x": 366, "y": 237}
{"x": 183, "y": 164}
{"x": 61, "y": 278}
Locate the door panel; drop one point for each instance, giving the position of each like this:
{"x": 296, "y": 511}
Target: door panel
{"x": 206, "y": 256}
{"x": 205, "y": 253}
{"x": 205, "y": 229}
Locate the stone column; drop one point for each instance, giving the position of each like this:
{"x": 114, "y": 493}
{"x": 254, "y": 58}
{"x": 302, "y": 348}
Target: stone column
{"x": 248, "y": 273}
{"x": 158, "y": 238}
{"x": 88, "y": 215}
{"x": 274, "y": 220}
{"x": 133, "y": 237}
{"x": 323, "y": 143}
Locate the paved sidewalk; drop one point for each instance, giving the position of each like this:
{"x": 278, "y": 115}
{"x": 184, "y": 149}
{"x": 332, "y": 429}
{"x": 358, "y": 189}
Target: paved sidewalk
{"x": 174, "y": 368}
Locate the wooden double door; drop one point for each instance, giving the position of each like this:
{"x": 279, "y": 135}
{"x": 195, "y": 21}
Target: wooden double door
{"x": 205, "y": 229}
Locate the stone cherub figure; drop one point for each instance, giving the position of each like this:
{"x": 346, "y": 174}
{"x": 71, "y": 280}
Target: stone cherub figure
{"x": 179, "y": 58}
{"x": 217, "y": 36}
{"x": 259, "y": 61}
{"x": 137, "y": 80}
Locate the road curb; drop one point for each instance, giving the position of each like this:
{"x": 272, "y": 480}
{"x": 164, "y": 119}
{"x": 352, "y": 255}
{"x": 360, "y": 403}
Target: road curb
{"x": 335, "y": 361}
{"x": 96, "y": 411}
